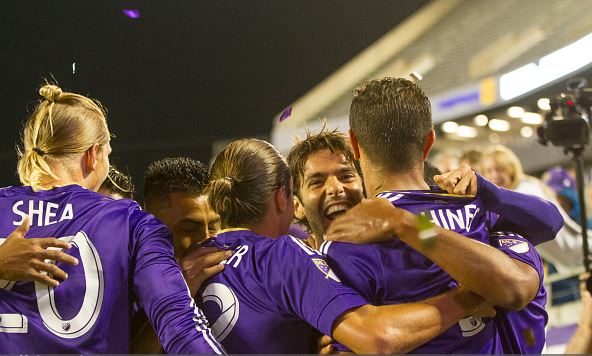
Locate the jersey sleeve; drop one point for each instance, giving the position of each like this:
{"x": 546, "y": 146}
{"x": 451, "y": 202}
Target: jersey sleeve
{"x": 323, "y": 299}
{"x": 537, "y": 219}
{"x": 162, "y": 292}
{"x": 358, "y": 267}
{"x": 518, "y": 248}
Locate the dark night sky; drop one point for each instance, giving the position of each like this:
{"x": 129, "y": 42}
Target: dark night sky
{"x": 186, "y": 72}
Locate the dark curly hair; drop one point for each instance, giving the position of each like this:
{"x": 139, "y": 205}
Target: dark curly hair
{"x": 175, "y": 175}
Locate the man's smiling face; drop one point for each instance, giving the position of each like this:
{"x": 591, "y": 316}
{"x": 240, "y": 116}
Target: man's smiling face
{"x": 330, "y": 185}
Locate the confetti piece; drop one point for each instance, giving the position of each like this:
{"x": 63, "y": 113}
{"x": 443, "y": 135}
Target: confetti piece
{"x": 528, "y": 336}
{"x": 426, "y": 232}
{"x": 74, "y": 68}
{"x": 286, "y": 113}
{"x": 415, "y": 77}
{"x": 131, "y": 13}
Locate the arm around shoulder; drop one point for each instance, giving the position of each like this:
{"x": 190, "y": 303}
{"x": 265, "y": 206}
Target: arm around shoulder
{"x": 401, "y": 328}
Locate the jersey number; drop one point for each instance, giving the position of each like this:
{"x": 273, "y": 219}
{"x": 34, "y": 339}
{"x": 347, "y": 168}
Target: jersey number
{"x": 86, "y": 317}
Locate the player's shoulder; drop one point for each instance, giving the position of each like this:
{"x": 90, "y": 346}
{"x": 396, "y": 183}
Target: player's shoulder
{"x": 334, "y": 248}
{"x": 121, "y": 208}
{"x": 294, "y": 246}
{"x": 497, "y": 235}
{"x": 5, "y": 190}
{"x": 397, "y": 196}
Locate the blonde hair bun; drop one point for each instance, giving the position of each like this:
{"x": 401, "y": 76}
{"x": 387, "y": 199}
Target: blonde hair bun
{"x": 50, "y": 92}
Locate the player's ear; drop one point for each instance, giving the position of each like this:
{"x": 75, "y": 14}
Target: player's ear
{"x": 354, "y": 143}
{"x": 298, "y": 209}
{"x": 429, "y": 143}
{"x": 281, "y": 199}
{"x": 89, "y": 159}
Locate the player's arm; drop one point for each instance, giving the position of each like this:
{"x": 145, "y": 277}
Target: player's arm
{"x": 395, "y": 329}
{"x": 481, "y": 268}
{"x": 25, "y": 259}
{"x": 162, "y": 292}
{"x": 197, "y": 266}
{"x": 534, "y": 218}
{"x": 337, "y": 310}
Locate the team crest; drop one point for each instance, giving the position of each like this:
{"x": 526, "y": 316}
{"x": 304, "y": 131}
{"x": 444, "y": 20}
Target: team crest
{"x": 517, "y": 246}
{"x": 324, "y": 267}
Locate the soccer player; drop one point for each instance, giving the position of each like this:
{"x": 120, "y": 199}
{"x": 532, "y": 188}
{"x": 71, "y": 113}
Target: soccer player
{"x": 123, "y": 251}
{"x": 173, "y": 192}
{"x": 275, "y": 289}
{"x": 326, "y": 175}
{"x": 391, "y": 134}
{"x": 326, "y": 181}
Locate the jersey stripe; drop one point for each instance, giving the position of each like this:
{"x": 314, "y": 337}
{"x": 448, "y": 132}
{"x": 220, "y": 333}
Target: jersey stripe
{"x": 325, "y": 247}
{"x": 304, "y": 246}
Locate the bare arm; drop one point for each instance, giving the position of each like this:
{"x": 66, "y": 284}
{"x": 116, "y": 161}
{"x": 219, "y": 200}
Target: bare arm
{"x": 510, "y": 283}
{"x": 401, "y": 328}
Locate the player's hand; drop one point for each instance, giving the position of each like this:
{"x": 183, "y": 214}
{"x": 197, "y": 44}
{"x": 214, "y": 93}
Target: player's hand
{"x": 325, "y": 345}
{"x": 201, "y": 264}
{"x": 462, "y": 180}
{"x": 29, "y": 259}
{"x": 474, "y": 304}
{"x": 372, "y": 220}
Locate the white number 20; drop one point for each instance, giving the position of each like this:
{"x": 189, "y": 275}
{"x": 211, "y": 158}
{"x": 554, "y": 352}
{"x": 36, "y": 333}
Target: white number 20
{"x": 86, "y": 317}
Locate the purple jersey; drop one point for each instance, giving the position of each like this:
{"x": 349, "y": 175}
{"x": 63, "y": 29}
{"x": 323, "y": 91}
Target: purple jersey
{"x": 123, "y": 253}
{"x": 270, "y": 294}
{"x": 522, "y": 332}
{"x": 394, "y": 273}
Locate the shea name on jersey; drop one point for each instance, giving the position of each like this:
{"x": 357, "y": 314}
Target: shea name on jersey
{"x": 41, "y": 213}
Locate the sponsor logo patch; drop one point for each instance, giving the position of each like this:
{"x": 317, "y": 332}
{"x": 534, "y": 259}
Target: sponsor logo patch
{"x": 324, "y": 267}
{"x": 517, "y": 246}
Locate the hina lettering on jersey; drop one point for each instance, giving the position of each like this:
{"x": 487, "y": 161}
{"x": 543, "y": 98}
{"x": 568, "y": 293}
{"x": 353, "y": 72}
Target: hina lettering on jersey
{"x": 453, "y": 219}
{"x": 41, "y": 213}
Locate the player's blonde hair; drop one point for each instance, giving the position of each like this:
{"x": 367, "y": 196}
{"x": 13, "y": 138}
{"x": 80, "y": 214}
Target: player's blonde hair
{"x": 508, "y": 161}
{"x": 62, "y": 126}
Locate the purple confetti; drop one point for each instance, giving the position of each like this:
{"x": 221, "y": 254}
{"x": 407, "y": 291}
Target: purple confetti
{"x": 286, "y": 113}
{"x": 132, "y": 13}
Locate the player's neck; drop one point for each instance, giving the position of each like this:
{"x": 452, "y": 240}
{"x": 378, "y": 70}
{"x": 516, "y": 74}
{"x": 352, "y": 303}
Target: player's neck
{"x": 314, "y": 241}
{"x": 63, "y": 177}
{"x": 269, "y": 226}
{"x": 380, "y": 181}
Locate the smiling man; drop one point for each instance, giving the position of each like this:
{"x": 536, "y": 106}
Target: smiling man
{"x": 326, "y": 181}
